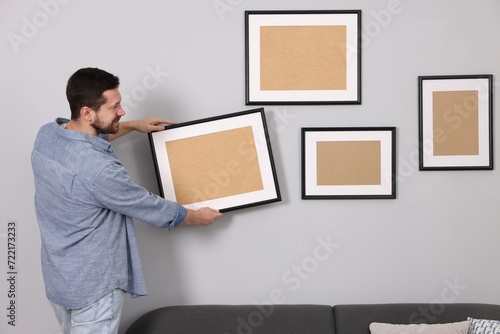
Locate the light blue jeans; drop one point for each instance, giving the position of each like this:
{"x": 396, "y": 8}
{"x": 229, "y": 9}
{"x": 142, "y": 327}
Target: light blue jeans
{"x": 101, "y": 317}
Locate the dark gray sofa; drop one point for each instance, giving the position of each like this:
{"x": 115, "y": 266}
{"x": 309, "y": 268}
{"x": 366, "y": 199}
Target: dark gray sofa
{"x": 301, "y": 319}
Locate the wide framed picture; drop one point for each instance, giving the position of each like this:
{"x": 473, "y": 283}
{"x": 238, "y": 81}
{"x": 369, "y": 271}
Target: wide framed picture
{"x": 455, "y": 122}
{"x": 303, "y": 57}
{"x": 223, "y": 162}
{"x": 349, "y": 163}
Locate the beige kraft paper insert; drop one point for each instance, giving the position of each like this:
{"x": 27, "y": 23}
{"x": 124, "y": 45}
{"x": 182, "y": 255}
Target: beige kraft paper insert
{"x": 303, "y": 58}
{"x": 348, "y": 163}
{"x": 215, "y": 165}
{"x": 455, "y": 123}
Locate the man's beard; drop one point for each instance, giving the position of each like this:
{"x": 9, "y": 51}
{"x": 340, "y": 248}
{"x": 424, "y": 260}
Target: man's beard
{"x": 109, "y": 129}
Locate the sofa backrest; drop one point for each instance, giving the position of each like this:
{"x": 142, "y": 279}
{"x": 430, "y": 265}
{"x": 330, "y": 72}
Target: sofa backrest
{"x": 356, "y": 319}
{"x": 301, "y": 319}
{"x": 236, "y": 319}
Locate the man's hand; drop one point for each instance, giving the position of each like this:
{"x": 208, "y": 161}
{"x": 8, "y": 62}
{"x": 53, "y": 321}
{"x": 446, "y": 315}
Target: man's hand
{"x": 149, "y": 124}
{"x": 141, "y": 125}
{"x": 202, "y": 216}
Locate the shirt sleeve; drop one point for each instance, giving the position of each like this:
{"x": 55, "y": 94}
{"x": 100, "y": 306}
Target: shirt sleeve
{"x": 116, "y": 191}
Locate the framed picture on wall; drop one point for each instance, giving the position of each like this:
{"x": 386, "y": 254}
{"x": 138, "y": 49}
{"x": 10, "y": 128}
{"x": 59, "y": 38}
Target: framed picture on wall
{"x": 303, "y": 57}
{"x": 455, "y": 122}
{"x": 349, "y": 163}
{"x": 223, "y": 162}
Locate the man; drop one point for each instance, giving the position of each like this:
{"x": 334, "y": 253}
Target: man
{"x": 85, "y": 202}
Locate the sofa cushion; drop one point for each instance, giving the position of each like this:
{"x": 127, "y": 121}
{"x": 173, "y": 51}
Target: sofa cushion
{"x": 356, "y": 318}
{"x": 483, "y": 326}
{"x": 449, "y": 328}
{"x": 230, "y": 319}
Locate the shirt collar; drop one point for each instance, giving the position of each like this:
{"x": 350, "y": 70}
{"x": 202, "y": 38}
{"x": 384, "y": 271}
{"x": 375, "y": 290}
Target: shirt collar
{"x": 100, "y": 141}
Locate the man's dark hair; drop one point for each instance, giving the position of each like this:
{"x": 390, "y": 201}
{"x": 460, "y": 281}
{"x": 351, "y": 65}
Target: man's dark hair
{"x": 85, "y": 88}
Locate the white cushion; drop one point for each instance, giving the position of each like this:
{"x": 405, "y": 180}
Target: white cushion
{"x": 449, "y": 328}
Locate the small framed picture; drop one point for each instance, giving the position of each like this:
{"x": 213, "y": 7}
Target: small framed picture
{"x": 455, "y": 122}
{"x": 349, "y": 163}
{"x": 303, "y": 57}
{"x": 222, "y": 162}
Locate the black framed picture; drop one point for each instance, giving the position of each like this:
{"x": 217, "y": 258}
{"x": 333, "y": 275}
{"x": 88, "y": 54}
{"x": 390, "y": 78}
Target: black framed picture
{"x": 224, "y": 162}
{"x": 456, "y": 122}
{"x": 349, "y": 163}
{"x": 303, "y": 57}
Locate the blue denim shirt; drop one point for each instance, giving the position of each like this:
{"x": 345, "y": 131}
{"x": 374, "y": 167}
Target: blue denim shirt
{"x": 84, "y": 203}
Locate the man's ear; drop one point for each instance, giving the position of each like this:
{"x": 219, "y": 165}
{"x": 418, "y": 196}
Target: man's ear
{"x": 86, "y": 113}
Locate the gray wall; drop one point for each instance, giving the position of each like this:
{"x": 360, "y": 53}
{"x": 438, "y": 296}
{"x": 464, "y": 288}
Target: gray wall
{"x": 437, "y": 242}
